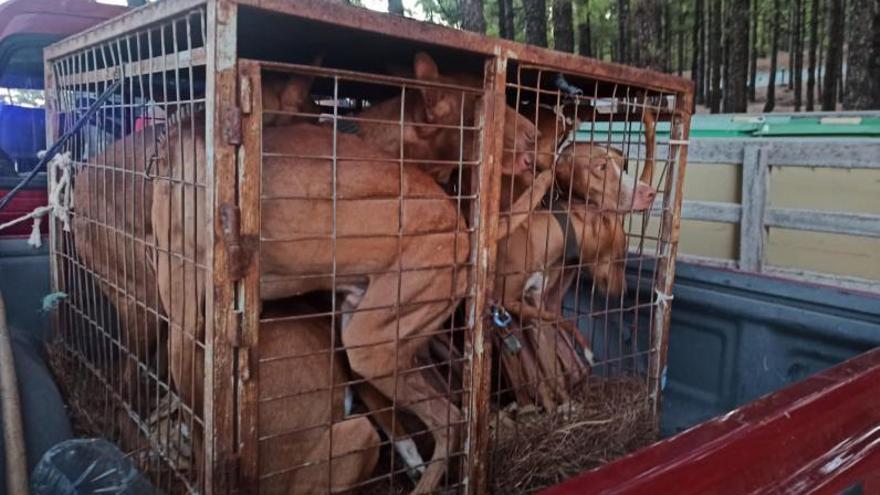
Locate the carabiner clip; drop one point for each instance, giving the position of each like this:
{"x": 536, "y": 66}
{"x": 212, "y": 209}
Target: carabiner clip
{"x": 500, "y": 317}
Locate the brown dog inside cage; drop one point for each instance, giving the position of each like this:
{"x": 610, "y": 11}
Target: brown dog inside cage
{"x": 569, "y": 235}
{"x": 361, "y": 214}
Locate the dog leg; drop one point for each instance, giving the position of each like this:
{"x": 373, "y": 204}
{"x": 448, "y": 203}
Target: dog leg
{"x": 650, "y": 121}
{"x": 353, "y": 296}
{"x": 374, "y": 337}
{"x": 354, "y": 454}
{"x": 525, "y": 204}
{"x": 379, "y": 406}
{"x": 529, "y": 311}
{"x": 381, "y": 412}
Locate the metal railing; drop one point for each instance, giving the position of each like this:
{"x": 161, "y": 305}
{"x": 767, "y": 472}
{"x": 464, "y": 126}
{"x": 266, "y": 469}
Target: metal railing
{"x": 756, "y": 213}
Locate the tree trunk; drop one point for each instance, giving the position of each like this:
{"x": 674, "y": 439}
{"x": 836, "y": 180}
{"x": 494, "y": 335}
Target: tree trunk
{"x": 820, "y": 53}
{"x": 727, "y": 38}
{"x": 738, "y": 58}
{"x": 792, "y": 41}
{"x": 698, "y": 39}
{"x": 679, "y": 35}
{"x": 505, "y": 19}
{"x": 875, "y": 57}
{"x": 536, "y": 22}
{"x": 774, "y": 51}
{"x": 861, "y": 85}
{"x": 647, "y": 19}
{"x": 585, "y": 45}
{"x": 472, "y": 18}
{"x": 833, "y": 54}
{"x": 623, "y": 31}
{"x": 707, "y": 54}
{"x": 814, "y": 43}
{"x": 715, "y": 57}
{"x": 705, "y": 71}
{"x": 798, "y": 54}
{"x": 395, "y": 7}
{"x": 666, "y": 28}
{"x": 844, "y": 53}
{"x": 563, "y": 26}
{"x": 753, "y": 61}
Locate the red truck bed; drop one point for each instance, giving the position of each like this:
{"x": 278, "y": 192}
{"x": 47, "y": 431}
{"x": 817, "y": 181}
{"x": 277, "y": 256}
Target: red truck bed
{"x": 821, "y": 435}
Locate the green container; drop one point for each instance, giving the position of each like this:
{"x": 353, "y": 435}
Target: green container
{"x": 744, "y": 126}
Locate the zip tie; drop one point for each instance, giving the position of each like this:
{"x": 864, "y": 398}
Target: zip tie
{"x": 51, "y": 301}
{"x": 663, "y": 299}
{"x": 663, "y": 379}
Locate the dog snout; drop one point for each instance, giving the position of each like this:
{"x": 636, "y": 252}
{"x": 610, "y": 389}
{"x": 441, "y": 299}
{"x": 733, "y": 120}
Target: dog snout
{"x": 644, "y": 197}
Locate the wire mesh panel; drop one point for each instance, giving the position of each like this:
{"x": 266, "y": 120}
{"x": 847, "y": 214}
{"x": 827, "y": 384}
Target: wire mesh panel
{"x": 369, "y": 185}
{"x": 111, "y": 261}
{"x": 579, "y": 284}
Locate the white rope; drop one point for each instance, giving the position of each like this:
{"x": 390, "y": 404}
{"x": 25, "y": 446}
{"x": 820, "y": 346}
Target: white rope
{"x": 60, "y": 199}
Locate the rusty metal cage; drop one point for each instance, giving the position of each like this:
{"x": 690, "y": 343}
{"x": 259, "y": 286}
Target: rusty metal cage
{"x": 318, "y": 249}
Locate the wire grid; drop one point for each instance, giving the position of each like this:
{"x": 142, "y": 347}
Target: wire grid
{"x": 601, "y": 125}
{"x": 112, "y": 329}
{"x": 391, "y": 332}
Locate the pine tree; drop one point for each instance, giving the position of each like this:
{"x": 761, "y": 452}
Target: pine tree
{"x": 814, "y": 43}
{"x": 753, "y": 59}
{"x": 395, "y": 7}
{"x": 563, "y": 26}
{"x": 536, "y": 22}
{"x": 798, "y": 54}
{"x": 585, "y": 41}
{"x": 715, "y": 57}
{"x": 833, "y": 55}
{"x": 861, "y": 85}
{"x": 738, "y": 59}
{"x": 697, "y": 41}
{"x": 505, "y": 19}
{"x": 472, "y": 18}
{"x": 774, "y": 51}
{"x": 623, "y": 55}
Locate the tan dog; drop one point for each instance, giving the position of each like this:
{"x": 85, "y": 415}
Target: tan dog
{"x": 433, "y": 118}
{"x": 289, "y": 93}
{"x": 590, "y": 170}
{"x": 115, "y": 242}
{"x": 296, "y": 372}
{"x": 363, "y": 263}
{"x": 185, "y": 344}
{"x": 534, "y": 245}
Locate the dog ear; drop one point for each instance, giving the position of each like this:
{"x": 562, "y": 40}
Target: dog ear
{"x": 307, "y": 80}
{"x": 426, "y": 70}
{"x": 425, "y": 67}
